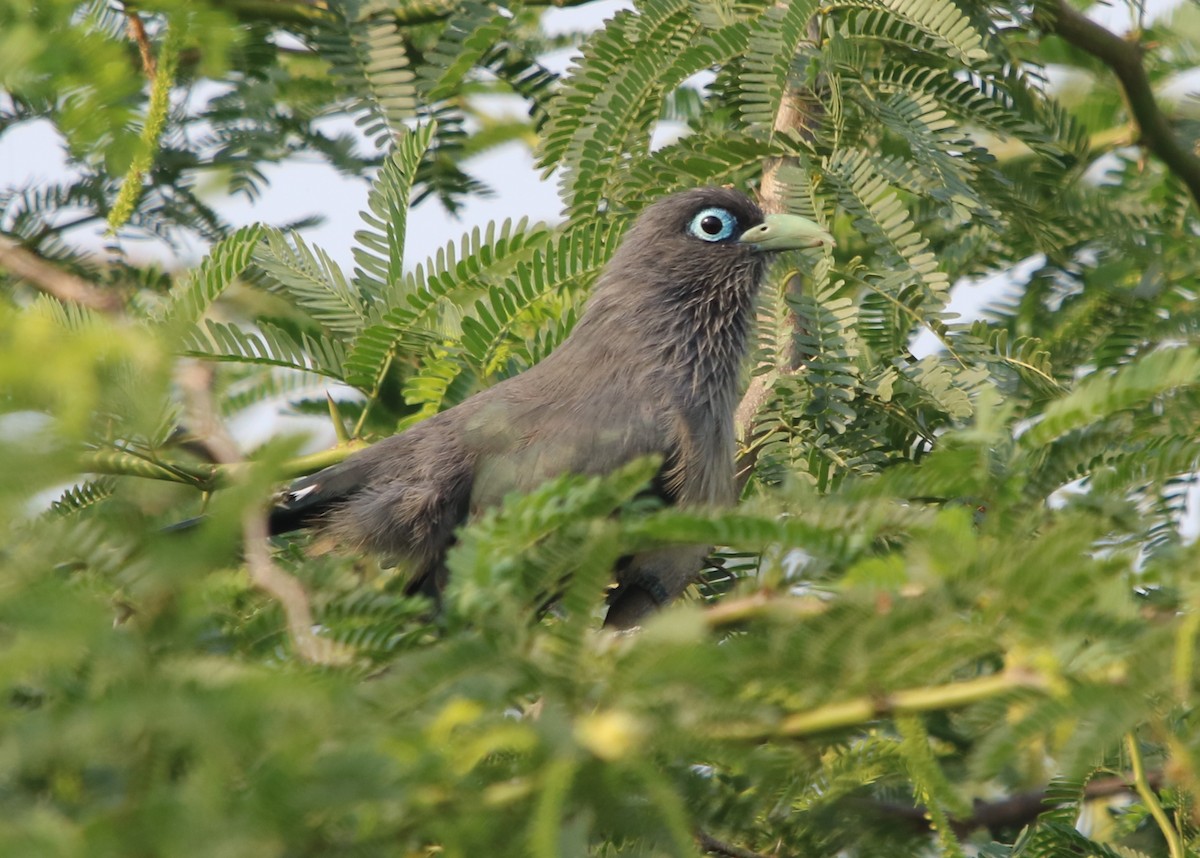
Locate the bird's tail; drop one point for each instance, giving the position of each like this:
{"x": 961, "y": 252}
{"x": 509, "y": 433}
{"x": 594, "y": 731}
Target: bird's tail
{"x": 300, "y": 505}
{"x": 310, "y": 498}
{"x": 185, "y": 525}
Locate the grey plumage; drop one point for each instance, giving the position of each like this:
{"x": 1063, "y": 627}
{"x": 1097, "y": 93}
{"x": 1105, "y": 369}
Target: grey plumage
{"x": 652, "y": 367}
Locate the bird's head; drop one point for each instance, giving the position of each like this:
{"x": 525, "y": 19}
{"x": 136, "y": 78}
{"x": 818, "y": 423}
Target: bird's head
{"x": 707, "y": 244}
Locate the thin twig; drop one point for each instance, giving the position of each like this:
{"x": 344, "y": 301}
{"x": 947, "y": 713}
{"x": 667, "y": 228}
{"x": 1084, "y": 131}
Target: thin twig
{"x": 862, "y": 710}
{"x": 1150, "y": 800}
{"x": 728, "y": 612}
{"x": 137, "y": 32}
{"x": 1124, "y": 57}
{"x": 286, "y": 590}
{"x": 34, "y": 241}
{"x": 204, "y": 476}
{"x": 195, "y": 380}
{"x": 63, "y": 285}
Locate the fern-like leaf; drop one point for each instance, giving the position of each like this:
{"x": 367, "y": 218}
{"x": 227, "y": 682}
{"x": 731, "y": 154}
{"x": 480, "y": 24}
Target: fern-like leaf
{"x": 939, "y": 20}
{"x": 467, "y": 38}
{"x": 313, "y": 280}
{"x": 84, "y": 495}
{"x": 229, "y": 258}
{"x": 270, "y": 345}
{"x": 1106, "y": 394}
{"x": 415, "y": 318}
{"x": 773, "y": 45}
{"x": 370, "y": 63}
{"x": 380, "y": 250}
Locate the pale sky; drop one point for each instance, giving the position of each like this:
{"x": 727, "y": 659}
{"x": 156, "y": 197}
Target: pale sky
{"x": 302, "y": 187}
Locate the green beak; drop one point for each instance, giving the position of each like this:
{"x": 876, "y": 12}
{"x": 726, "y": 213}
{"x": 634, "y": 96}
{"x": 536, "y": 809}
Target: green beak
{"x": 785, "y": 232}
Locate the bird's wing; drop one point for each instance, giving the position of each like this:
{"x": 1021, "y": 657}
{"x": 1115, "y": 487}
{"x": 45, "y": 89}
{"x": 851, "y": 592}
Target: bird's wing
{"x": 699, "y": 465}
{"x": 519, "y": 443}
{"x": 401, "y": 497}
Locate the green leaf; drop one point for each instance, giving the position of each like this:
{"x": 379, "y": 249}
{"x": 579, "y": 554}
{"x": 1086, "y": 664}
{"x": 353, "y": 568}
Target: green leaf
{"x": 368, "y": 60}
{"x": 380, "y": 247}
{"x": 313, "y": 281}
{"x": 270, "y": 345}
{"x": 229, "y": 258}
{"x": 1103, "y": 395}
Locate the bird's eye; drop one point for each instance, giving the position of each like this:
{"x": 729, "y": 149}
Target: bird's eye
{"x": 713, "y": 224}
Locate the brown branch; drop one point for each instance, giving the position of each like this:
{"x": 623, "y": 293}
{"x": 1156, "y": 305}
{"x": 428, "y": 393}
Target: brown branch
{"x": 1124, "y": 57}
{"x": 137, "y": 32}
{"x": 195, "y": 379}
{"x": 27, "y": 265}
{"x": 1014, "y": 811}
{"x": 713, "y": 846}
{"x": 798, "y": 114}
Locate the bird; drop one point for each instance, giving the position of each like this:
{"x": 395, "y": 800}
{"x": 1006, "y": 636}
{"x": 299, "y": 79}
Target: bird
{"x": 652, "y": 368}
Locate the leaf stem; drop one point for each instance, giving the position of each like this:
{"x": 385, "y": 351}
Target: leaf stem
{"x": 371, "y": 400}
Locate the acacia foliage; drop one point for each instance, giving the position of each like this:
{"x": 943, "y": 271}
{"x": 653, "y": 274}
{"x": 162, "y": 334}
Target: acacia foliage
{"x": 954, "y": 578}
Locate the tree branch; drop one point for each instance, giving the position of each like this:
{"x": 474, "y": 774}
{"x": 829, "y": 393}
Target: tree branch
{"x": 195, "y": 381}
{"x": 123, "y": 463}
{"x": 713, "y": 846}
{"x": 798, "y": 113}
{"x": 729, "y": 612}
{"x": 66, "y": 287}
{"x": 1142, "y": 784}
{"x": 1125, "y": 59}
{"x": 861, "y": 710}
{"x": 1015, "y": 811}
